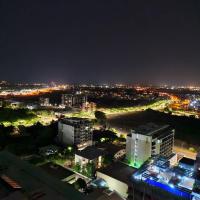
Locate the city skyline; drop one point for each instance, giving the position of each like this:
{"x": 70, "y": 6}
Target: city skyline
{"x": 100, "y": 42}
{"x": 100, "y": 99}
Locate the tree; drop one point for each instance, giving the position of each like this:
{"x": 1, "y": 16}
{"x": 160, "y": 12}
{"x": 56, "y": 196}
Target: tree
{"x": 100, "y": 117}
{"x": 104, "y": 136}
{"x": 77, "y": 167}
{"x": 80, "y": 184}
{"x": 107, "y": 160}
{"x": 68, "y": 152}
{"x": 89, "y": 169}
{"x": 5, "y": 134}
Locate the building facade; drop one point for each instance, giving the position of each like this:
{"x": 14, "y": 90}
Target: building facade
{"x": 147, "y": 141}
{"x": 90, "y": 154}
{"x": 75, "y": 131}
{"x": 44, "y": 101}
{"x": 73, "y": 100}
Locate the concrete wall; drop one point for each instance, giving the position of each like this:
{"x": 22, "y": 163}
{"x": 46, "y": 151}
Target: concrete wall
{"x": 65, "y": 133}
{"x": 114, "y": 184}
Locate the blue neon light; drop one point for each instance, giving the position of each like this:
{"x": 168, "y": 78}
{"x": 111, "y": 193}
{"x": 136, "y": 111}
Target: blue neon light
{"x": 168, "y": 188}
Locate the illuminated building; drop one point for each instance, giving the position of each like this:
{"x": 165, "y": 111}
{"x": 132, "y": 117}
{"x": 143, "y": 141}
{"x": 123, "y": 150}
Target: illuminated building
{"x": 195, "y": 104}
{"x": 147, "y": 141}
{"x": 44, "y": 101}
{"x": 159, "y": 180}
{"x": 117, "y": 178}
{"x": 90, "y": 154}
{"x": 73, "y": 100}
{"x": 89, "y": 107}
{"x": 75, "y": 131}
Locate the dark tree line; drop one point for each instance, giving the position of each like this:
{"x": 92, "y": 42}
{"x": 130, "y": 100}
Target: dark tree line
{"x": 29, "y": 139}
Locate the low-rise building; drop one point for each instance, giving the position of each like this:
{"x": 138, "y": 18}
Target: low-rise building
{"x": 117, "y": 177}
{"x": 116, "y": 152}
{"x": 90, "y": 154}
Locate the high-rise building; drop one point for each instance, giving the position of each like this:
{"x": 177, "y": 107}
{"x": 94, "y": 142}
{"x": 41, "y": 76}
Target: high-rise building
{"x": 147, "y": 141}
{"x": 75, "y": 131}
{"x": 73, "y": 100}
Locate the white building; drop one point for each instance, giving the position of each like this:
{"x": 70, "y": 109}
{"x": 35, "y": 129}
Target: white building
{"x": 90, "y": 154}
{"x": 147, "y": 141}
{"x": 117, "y": 177}
{"x": 75, "y": 131}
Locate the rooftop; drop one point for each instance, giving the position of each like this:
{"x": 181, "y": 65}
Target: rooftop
{"x": 33, "y": 181}
{"x": 75, "y": 120}
{"x": 119, "y": 171}
{"x": 111, "y": 149}
{"x": 101, "y": 194}
{"x": 56, "y": 171}
{"x": 90, "y": 152}
{"x": 150, "y": 129}
{"x": 159, "y": 173}
{"x": 187, "y": 161}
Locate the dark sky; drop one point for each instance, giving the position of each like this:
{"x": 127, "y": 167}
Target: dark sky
{"x": 100, "y": 41}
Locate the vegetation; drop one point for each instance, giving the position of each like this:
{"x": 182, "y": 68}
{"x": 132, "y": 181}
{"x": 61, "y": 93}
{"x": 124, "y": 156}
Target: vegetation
{"x": 104, "y": 136}
{"x": 77, "y": 167}
{"x": 107, "y": 160}
{"x": 28, "y": 139}
{"x": 187, "y": 128}
{"x": 80, "y": 184}
{"x": 156, "y": 105}
{"x": 100, "y": 118}
{"x": 9, "y": 116}
{"x": 24, "y": 117}
{"x": 87, "y": 170}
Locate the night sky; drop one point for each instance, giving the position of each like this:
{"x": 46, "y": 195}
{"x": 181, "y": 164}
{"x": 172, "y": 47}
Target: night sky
{"x": 100, "y": 41}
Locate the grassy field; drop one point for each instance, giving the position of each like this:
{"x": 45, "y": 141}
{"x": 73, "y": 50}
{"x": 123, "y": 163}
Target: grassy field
{"x": 110, "y": 112}
{"x": 158, "y": 105}
{"x": 25, "y": 117}
{"x": 187, "y": 128}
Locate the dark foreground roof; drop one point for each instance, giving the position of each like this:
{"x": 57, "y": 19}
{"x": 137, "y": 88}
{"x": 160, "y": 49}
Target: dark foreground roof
{"x": 56, "y": 171}
{"x": 119, "y": 171}
{"x": 90, "y": 152}
{"x": 187, "y": 161}
{"x": 34, "y": 181}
